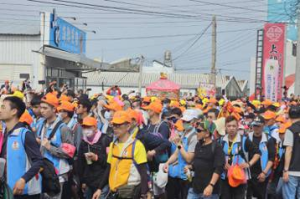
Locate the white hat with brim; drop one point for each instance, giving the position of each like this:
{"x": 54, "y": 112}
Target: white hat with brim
{"x": 220, "y": 126}
{"x": 190, "y": 114}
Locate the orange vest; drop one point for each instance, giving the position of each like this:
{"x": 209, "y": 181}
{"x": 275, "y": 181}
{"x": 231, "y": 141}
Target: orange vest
{"x": 120, "y": 165}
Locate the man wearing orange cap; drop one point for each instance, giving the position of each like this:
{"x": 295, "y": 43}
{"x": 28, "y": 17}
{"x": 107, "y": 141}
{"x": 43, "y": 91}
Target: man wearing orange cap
{"x": 6, "y": 88}
{"x": 161, "y": 129}
{"x": 271, "y": 128}
{"x": 66, "y": 114}
{"x": 127, "y": 161}
{"x": 156, "y": 125}
{"x": 92, "y": 157}
{"x": 52, "y": 135}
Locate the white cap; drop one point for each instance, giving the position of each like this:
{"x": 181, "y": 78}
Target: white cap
{"x": 190, "y": 114}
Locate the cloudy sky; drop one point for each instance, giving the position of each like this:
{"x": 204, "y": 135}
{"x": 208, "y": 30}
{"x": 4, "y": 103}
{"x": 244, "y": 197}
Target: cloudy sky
{"x": 130, "y": 28}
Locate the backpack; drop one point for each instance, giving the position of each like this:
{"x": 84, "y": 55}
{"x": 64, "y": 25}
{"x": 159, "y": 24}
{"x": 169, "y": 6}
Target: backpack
{"x": 50, "y": 179}
{"x": 162, "y": 157}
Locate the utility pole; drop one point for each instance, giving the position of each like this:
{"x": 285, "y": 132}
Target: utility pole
{"x": 213, "y": 72}
{"x": 141, "y": 74}
{"x": 297, "y": 72}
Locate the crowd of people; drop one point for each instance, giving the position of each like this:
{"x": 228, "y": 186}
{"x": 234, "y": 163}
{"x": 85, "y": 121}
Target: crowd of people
{"x": 62, "y": 144}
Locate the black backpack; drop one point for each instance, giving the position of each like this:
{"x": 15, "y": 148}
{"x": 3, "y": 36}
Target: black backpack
{"x": 50, "y": 180}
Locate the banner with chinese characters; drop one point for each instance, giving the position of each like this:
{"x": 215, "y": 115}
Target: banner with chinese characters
{"x": 273, "y": 60}
{"x": 206, "y": 90}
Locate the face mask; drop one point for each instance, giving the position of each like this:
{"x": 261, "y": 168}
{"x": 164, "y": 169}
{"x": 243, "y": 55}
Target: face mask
{"x": 107, "y": 115}
{"x": 88, "y": 132}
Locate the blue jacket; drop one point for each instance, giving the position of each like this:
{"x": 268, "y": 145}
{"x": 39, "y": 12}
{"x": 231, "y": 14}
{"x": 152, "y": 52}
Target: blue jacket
{"x": 61, "y": 165}
{"x": 273, "y": 132}
{"x": 37, "y": 123}
{"x": 177, "y": 170}
{"x": 18, "y": 163}
{"x": 264, "y": 154}
{"x": 238, "y": 153}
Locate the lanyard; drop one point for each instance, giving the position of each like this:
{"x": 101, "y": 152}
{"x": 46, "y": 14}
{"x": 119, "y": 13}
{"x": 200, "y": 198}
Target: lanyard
{"x": 230, "y": 147}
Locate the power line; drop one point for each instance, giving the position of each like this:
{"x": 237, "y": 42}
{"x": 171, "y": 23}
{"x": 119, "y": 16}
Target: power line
{"x": 113, "y": 8}
{"x": 203, "y": 32}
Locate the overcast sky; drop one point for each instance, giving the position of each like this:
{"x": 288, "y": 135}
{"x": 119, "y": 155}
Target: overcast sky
{"x": 129, "y": 28}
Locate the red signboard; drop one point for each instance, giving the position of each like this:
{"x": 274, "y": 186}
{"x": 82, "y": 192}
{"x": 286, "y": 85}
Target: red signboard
{"x": 273, "y": 62}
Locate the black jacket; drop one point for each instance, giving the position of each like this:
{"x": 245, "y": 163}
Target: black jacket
{"x": 91, "y": 174}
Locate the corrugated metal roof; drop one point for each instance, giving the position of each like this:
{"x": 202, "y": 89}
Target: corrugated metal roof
{"x": 131, "y": 79}
{"x": 21, "y": 29}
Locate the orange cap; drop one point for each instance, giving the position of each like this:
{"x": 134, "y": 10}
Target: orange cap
{"x": 236, "y": 115}
{"x": 182, "y": 108}
{"x": 66, "y": 106}
{"x": 26, "y": 117}
{"x": 120, "y": 117}
{"x": 133, "y": 114}
{"x": 199, "y": 106}
{"x": 51, "y": 100}
{"x": 213, "y": 100}
{"x": 179, "y": 125}
{"x": 64, "y": 98}
{"x": 267, "y": 102}
{"x": 114, "y": 106}
{"x": 147, "y": 99}
{"x": 288, "y": 124}
{"x": 237, "y": 109}
{"x": 269, "y": 115}
{"x": 89, "y": 121}
{"x": 282, "y": 129}
{"x": 154, "y": 106}
{"x": 236, "y": 176}
{"x": 7, "y": 81}
{"x": 207, "y": 109}
{"x": 280, "y": 119}
{"x": 175, "y": 104}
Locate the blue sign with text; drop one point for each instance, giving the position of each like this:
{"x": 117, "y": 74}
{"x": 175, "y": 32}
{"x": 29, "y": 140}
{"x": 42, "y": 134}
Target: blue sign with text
{"x": 67, "y": 37}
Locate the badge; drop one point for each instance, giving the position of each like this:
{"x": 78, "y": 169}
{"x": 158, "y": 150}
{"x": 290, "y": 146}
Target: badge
{"x": 15, "y": 145}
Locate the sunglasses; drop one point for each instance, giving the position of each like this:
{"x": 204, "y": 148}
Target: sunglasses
{"x": 171, "y": 118}
{"x": 200, "y": 130}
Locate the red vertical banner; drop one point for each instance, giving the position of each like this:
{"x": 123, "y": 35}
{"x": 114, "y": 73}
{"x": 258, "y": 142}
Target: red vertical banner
{"x": 273, "y": 60}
